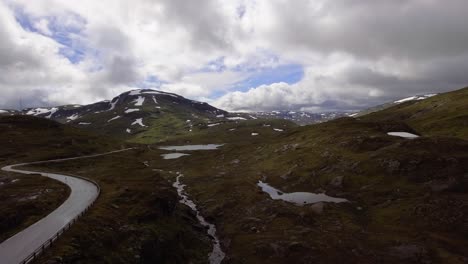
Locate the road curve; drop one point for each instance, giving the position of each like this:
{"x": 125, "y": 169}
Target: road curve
{"x": 83, "y": 193}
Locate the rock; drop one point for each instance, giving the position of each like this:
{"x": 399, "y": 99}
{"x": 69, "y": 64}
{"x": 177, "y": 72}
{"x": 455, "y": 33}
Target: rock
{"x": 289, "y": 172}
{"x": 317, "y": 207}
{"x": 409, "y": 252}
{"x": 444, "y": 186}
{"x": 55, "y": 260}
{"x": 252, "y": 219}
{"x": 391, "y": 165}
{"x": 337, "y": 181}
{"x": 295, "y": 246}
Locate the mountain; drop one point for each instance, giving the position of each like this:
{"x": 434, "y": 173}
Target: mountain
{"x": 139, "y": 115}
{"x": 299, "y": 117}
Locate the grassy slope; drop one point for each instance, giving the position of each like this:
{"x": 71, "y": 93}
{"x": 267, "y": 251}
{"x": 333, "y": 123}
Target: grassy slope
{"x": 445, "y": 114}
{"x": 26, "y": 199}
{"x": 137, "y": 219}
{"x": 409, "y": 199}
{"x": 26, "y": 138}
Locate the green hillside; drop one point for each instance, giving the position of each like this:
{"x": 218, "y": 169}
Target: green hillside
{"x": 445, "y": 114}
{"x": 408, "y": 197}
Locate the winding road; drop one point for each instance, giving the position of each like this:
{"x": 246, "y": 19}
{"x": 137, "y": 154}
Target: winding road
{"x": 83, "y": 193}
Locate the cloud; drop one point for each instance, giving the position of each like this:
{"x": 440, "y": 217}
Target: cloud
{"x": 240, "y": 54}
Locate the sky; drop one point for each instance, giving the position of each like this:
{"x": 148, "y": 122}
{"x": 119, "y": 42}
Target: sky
{"x": 238, "y": 55}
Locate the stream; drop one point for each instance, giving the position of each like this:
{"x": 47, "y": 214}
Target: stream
{"x": 217, "y": 255}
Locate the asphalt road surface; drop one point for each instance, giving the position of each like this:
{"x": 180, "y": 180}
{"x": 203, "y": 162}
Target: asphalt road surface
{"x": 83, "y": 193}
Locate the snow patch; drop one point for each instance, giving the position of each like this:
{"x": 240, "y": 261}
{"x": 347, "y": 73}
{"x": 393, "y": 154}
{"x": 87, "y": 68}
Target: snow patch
{"x": 403, "y": 135}
{"x": 131, "y": 110}
{"x": 84, "y": 123}
{"x": 236, "y": 118}
{"x": 139, "y": 121}
{"x": 39, "y": 111}
{"x": 113, "y": 104}
{"x": 254, "y": 134}
{"x": 128, "y": 130}
{"x": 135, "y": 92}
{"x": 161, "y": 93}
{"x": 215, "y": 124}
{"x": 278, "y": 129}
{"x": 417, "y": 98}
{"x": 139, "y": 101}
{"x": 73, "y": 117}
{"x": 52, "y": 111}
{"x": 112, "y": 119}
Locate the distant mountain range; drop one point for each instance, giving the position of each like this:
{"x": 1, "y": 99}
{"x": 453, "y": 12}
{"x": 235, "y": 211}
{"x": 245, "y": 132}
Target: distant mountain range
{"x": 301, "y": 117}
{"x": 149, "y": 115}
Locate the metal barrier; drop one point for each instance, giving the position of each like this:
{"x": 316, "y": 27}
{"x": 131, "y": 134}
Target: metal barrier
{"x": 49, "y": 242}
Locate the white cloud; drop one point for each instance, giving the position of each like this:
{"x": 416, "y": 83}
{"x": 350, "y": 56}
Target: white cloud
{"x": 42, "y": 25}
{"x": 354, "y": 54}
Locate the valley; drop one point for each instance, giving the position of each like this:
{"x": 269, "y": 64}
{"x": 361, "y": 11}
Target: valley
{"x": 352, "y": 189}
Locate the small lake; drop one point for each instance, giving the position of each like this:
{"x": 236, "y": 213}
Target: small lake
{"x": 192, "y": 147}
{"x": 298, "y": 198}
{"x": 174, "y": 155}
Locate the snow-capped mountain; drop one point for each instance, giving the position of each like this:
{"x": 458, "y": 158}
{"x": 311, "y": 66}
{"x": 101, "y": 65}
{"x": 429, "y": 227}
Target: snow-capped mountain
{"x": 147, "y": 115}
{"x": 136, "y": 114}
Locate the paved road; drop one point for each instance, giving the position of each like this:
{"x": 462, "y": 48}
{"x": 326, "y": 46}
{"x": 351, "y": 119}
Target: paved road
{"x": 83, "y": 193}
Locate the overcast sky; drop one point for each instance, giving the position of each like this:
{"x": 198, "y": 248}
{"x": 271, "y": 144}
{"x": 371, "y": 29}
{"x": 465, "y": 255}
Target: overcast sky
{"x": 237, "y": 55}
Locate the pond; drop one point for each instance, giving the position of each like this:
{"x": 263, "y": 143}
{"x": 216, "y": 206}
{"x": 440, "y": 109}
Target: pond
{"x": 298, "y": 198}
{"x": 174, "y": 155}
{"x": 192, "y": 147}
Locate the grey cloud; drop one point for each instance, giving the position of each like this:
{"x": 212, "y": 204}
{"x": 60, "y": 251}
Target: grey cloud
{"x": 121, "y": 70}
{"x": 392, "y": 48}
{"x": 202, "y": 18}
{"x": 403, "y": 28}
